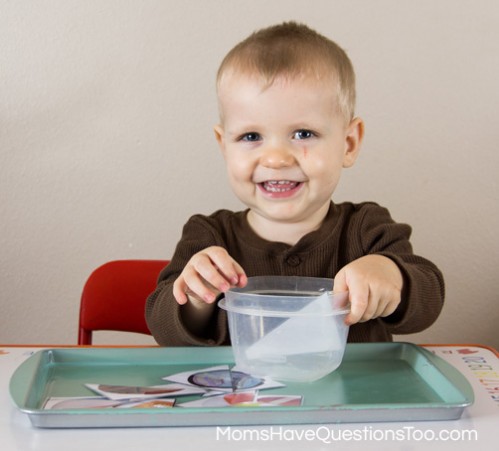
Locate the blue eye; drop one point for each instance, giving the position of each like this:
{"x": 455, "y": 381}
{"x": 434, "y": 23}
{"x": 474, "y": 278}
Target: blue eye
{"x": 251, "y": 137}
{"x": 303, "y": 134}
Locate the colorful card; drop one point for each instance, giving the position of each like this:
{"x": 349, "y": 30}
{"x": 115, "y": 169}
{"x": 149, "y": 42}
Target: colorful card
{"x": 83, "y": 402}
{"x": 217, "y": 386}
{"x": 98, "y": 402}
{"x": 245, "y": 399}
{"x": 121, "y": 392}
{"x": 226, "y": 400}
{"x": 222, "y": 379}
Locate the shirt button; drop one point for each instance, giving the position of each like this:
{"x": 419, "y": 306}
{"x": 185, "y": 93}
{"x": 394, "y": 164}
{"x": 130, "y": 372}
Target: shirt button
{"x": 293, "y": 260}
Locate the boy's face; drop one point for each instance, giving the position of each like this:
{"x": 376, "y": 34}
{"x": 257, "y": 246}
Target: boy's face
{"x": 284, "y": 145}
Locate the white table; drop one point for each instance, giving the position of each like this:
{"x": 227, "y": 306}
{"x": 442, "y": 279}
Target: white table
{"x": 478, "y": 428}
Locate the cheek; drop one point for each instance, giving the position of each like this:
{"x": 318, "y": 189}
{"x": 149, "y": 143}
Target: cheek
{"x": 238, "y": 167}
{"x": 325, "y": 172}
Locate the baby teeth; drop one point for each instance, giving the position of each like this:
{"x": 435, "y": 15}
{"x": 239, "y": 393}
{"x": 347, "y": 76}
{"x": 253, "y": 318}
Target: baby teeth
{"x": 278, "y": 186}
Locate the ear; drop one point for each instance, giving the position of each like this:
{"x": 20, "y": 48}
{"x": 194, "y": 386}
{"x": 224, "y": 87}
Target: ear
{"x": 219, "y": 135}
{"x": 353, "y": 140}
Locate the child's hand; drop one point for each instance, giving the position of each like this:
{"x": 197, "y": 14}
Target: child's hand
{"x": 207, "y": 274}
{"x": 374, "y": 283}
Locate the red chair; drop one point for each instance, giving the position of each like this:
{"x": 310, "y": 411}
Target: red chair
{"x": 114, "y": 297}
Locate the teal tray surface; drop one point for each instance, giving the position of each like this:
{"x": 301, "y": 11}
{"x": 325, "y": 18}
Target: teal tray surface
{"x": 375, "y": 382}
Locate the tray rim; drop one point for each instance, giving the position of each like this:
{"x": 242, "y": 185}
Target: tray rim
{"x": 227, "y": 416}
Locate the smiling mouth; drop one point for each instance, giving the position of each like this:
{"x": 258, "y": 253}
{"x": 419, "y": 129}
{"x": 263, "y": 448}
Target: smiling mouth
{"x": 279, "y": 186}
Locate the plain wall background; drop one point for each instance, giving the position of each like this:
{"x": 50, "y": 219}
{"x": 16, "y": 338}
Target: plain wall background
{"x": 106, "y": 142}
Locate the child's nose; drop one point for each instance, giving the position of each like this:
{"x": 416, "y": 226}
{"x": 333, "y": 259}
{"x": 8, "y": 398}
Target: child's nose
{"x": 277, "y": 157}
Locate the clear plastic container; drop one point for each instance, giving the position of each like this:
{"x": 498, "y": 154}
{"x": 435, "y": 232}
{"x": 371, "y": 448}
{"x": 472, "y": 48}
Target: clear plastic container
{"x": 287, "y": 328}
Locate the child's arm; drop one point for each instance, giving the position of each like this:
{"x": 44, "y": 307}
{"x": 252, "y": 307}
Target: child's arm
{"x": 375, "y": 286}
{"x": 180, "y": 319}
{"x": 415, "y": 300}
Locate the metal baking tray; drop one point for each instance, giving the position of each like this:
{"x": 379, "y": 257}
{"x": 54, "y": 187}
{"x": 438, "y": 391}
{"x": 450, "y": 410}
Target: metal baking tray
{"x": 375, "y": 382}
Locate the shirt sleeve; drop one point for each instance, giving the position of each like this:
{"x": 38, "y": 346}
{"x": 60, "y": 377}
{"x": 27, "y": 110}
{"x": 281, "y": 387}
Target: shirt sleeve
{"x": 163, "y": 313}
{"x": 423, "y": 290}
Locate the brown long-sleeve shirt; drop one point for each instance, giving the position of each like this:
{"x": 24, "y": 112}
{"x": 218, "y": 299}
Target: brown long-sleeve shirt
{"x": 348, "y": 232}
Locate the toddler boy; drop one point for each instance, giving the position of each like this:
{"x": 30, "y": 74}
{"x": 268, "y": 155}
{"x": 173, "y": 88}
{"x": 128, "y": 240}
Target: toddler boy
{"x": 287, "y": 129}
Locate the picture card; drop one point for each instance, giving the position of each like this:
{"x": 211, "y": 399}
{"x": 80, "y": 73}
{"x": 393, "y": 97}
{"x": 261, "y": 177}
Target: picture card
{"x": 158, "y": 403}
{"x": 223, "y": 379}
{"x": 246, "y": 399}
{"x": 226, "y": 400}
{"x": 83, "y": 402}
{"x": 122, "y": 392}
{"x": 98, "y": 402}
{"x": 280, "y": 400}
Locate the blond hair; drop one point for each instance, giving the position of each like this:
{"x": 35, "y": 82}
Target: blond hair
{"x": 292, "y": 50}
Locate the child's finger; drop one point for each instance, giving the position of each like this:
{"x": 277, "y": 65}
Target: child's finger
{"x": 179, "y": 291}
{"x": 243, "y": 280}
{"x": 226, "y": 266}
{"x": 340, "y": 283}
{"x": 205, "y": 283}
{"x": 386, "y": 308}
{"x": 358, "y": 306}
{"x": 358, "y": 294}
{"x": 205, "y": 269}
{"x": 240, "y": 280}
